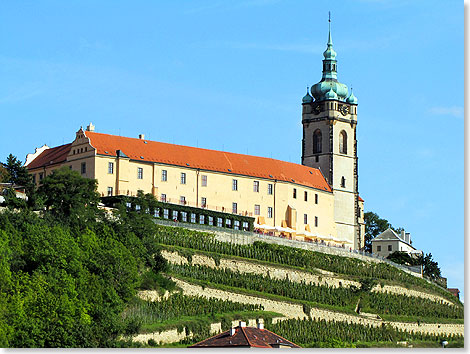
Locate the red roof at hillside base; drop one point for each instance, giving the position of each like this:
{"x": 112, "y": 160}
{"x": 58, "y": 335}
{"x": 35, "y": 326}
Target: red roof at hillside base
{"x": 246, "y": 337}
{"x": 50, "y": 156}
{"x": 211, "y": 160}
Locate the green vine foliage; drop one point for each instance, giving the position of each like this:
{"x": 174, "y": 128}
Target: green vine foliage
{"x": 321, "y": 333}
{"x": 309, "y": 260}
{"x": 380, "y": 303}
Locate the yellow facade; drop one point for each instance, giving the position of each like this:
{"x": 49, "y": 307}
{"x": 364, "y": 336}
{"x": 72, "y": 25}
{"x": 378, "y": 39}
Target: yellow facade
{"x": 270, "y": 202}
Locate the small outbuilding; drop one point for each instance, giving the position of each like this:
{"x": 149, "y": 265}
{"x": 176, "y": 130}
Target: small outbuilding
{"x": 389, "y": 241}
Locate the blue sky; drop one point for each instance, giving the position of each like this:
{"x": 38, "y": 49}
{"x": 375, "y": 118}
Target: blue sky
{"x": 230, "y": 75}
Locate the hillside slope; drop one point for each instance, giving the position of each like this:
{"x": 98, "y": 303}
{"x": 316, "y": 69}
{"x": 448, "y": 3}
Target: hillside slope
{"x": 383, "y": 304}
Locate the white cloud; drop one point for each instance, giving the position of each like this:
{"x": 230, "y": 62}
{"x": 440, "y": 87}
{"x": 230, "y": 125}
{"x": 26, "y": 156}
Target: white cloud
{"x": 455, "y": 111}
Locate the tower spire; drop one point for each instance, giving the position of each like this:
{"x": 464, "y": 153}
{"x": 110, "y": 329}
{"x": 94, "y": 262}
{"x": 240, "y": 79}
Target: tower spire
{"x": 330, "y": 41}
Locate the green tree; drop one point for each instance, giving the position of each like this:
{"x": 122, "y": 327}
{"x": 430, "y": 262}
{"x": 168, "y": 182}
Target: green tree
{"x": 69, "y": 196}
{"x": 13, "y": 171}
{"x": 401, "y": 257}
{"x": 430, "y": 267}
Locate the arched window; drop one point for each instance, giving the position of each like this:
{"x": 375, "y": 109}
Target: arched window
{"x": 343, "y": 142}
{"x": 316, "y": 141}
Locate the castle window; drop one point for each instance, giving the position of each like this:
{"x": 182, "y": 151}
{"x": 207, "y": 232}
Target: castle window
{"x": 174, "y": 215}
{"x": 83, "y": 169}
{"x": 184, "y": 216}
{"x": 228, "y": 223}
{"x": 201, "y": 219}
{"x": 219, "y": 222}
{"x": 343, "y": 142}
{"x": 110, "y": 191}
{"x": 316, "y": 221}
{"x": 245, "y": 226}
{"x": 270, "y": 212}
{"x": 234, "y": 208}
{"x": 257, "y": 209}
{"x": 193, "y": 218}
{"x": 343, "y": 182}
{"x": 110, "y": 168}
{"x": 234, "y": 185}
{"x": 236, "y": 225}
{"x": 182, "y": 200}
{"x": 164, "y": 175}
{"x": 305, "y": 219}
{"x": 204, "y": 180}
{"x": 140, "y": 173}
{"x": 163, "y": 198}
{"x": 210, "y": 220}
{"x": 294, "y": 193}
{"x": 166, "y": 214}
{"x": 270, "y": 189}
{"x": 255, "y": 186}
{"x": 317, "y": 159}
{"x": 379, "y": 248}
{"x": 183, "y": 178}
{"x": 316, "y": 198}
{"x": 203, "y": 202}
{"x": 317, "y": 141}
{"x": 305, "y": 196}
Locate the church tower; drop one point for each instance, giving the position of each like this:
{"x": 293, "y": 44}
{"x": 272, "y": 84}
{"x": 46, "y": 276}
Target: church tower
{"x": 329, "y": 119}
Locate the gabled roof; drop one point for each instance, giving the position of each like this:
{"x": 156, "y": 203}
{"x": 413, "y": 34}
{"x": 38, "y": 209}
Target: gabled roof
{"x": 205, "y": 159}
{"x": 51, "y": 156}
{"x": 390, "y": 235}
{"x": 246, "y": 337}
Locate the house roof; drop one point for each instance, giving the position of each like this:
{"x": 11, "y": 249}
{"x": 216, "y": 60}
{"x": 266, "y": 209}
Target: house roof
{"x": 360, "y": 199}
{"x": 390, "y": 235}
{"x": 205, "y": 159}
{"x": 246, "y": 337}
{"x": 50, "y": 156}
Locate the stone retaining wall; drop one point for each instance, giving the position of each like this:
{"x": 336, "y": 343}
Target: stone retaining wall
{"x": 291, "y": 310}
{"x": 293, "y": 275}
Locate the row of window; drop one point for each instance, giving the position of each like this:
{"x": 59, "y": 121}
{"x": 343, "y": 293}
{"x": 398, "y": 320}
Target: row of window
{"x": 41, "y": 174}
{"x": 379, "y": 248}
{"x": 294, "y": 195}
{"x": 317, "y": 142}
{"x": 78, "y": 151}
{"x": 306, "y": 220}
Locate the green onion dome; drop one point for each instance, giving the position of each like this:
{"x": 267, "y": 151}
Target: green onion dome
{"x": 331, "y": 95}
{"x": 307, "y": 98}
{"x": 351, "y": 99}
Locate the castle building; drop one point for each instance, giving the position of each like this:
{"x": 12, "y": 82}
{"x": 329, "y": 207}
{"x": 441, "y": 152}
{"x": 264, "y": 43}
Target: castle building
{"x": 316, "y": 200}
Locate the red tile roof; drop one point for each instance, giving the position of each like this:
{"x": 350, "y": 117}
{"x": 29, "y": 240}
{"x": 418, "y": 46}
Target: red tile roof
{"x": 212, "y": 160}
{"x": 50, "y": 156}
{"x": 360, "y": 199}
{"x": 246, "y": 337}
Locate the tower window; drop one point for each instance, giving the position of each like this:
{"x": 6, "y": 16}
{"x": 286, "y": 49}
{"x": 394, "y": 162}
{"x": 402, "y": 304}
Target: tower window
{"x": 316, "y": 198}
{"x": 316, "y": 221}
{"x": 183, "y": 178}
{"x": 203, "y": 202}
{"x": 305, "y": 219}
{"x": 305, "y": 195}
{"x": 140, "y": 173}
{"x": 257, "y": 209}
{"x": 234, "y": 185}
{"x": 343, "y": 142}
{"x": 270, "y": 189}
{"x": 343, "y": 182}
{"x": 317, "y": 141}
{"x": 294, "y": 193}
{"x": 204, "y": 180}
{"x": 110, "y": 168}
{"x": 255, "y": 186}
{"x": 234, "y": 208}
{"x": 270, "y": 212}
{"x": 164, "y": 175}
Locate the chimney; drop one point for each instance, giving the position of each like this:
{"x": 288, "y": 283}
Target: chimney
{"x": 232, "y": 331}
{"x": 402, "y": 236}
{"x": 141, "y": 136}
{"x": 407, "y": 237}
{"x": 90, "y": 127}
{"x": 260, "y": 325}
{"x": 242, "y": 324}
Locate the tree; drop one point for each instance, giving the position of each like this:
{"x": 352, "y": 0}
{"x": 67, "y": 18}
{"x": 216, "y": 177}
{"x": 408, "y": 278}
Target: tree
{"x": 69, "y": 196}
{"x": 430, "y": 267}
{"x": 375, "y": 225}
{"x": 401, "y": 257}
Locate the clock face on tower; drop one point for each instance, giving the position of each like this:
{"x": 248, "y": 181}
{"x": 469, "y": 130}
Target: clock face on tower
{"x": 344, "y": 110}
